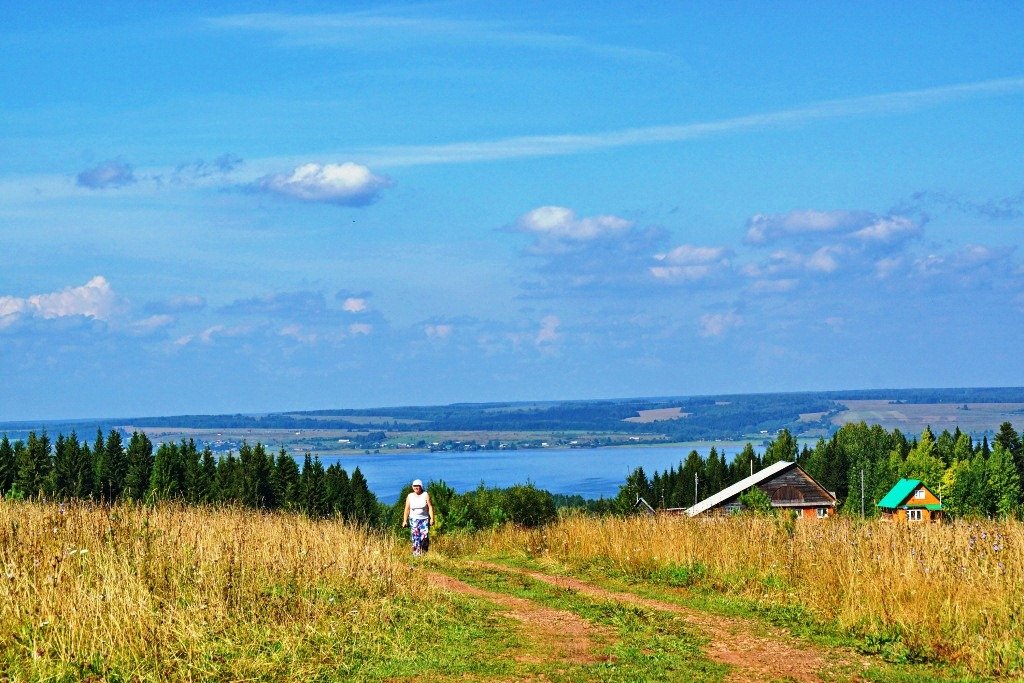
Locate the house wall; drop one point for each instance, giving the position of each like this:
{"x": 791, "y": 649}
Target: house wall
{"x": 929, "y": 498}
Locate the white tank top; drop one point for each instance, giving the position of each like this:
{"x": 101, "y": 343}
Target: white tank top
{"x": 418, "y": 506}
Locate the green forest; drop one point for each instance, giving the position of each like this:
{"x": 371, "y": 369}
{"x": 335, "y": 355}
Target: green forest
{"x": 859, "y": 463}
{"x": 973, "y": 478}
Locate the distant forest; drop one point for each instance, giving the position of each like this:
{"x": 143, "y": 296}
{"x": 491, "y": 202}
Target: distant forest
{"x": 732, "y": 416}
{"x": 973, "y": 478}
{"x": 110, "y": 470}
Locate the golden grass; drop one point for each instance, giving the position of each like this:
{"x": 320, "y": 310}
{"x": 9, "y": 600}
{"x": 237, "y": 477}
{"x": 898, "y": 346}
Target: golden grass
{"x": 189, "y": 593}
{"x": 953, "y": 592}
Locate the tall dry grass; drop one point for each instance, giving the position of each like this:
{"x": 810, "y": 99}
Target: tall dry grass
{"x": 953, "y": 591}
{"x": 187, "y": 593}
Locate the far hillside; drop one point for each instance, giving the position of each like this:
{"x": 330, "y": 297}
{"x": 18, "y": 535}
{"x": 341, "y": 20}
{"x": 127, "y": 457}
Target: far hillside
{"x": 977, "y": 411}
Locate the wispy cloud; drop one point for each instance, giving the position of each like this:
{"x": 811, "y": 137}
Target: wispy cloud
{"x": 569, "y": 144}
{"x": 402, "y": 28}
{"x": 108, "y": 174}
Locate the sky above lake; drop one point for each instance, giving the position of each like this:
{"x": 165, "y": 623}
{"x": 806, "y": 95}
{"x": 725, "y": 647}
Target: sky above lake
{"x": 220, "y": 208}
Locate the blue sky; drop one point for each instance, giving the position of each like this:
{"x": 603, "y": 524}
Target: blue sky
{"x": 237, "y": 208}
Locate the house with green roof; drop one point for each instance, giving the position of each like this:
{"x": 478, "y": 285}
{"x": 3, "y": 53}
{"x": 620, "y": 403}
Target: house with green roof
{"x": 911, "y": 501}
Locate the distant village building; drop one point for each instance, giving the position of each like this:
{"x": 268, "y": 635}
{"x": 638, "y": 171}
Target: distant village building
{"x": 786, "y": 485}
{"x": 911, "y": 501}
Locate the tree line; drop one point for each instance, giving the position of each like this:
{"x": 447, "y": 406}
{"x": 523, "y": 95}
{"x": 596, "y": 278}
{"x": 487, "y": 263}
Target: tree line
{"x": 110, "y": 470}
{"x": 973, "y": 478}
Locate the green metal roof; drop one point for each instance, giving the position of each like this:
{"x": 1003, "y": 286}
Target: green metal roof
{"x": 899, "y": 493}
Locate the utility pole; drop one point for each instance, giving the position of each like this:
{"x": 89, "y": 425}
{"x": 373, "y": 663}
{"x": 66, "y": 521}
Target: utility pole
{"x": 695, "y": 501}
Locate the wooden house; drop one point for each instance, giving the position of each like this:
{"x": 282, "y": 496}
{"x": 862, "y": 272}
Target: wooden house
{"x": 786, "y": 485}
{"x": 911, "y": 501}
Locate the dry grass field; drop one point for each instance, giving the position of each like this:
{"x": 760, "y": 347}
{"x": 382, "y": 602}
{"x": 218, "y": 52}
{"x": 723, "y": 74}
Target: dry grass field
{"x": 950, "y": 593}
{"x": 171, "y": 593}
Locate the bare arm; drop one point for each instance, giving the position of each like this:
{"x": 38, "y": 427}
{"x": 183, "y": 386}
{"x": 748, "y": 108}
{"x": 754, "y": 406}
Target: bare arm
{"x": 405, "y": 515}
{"x": 430, "y": 509}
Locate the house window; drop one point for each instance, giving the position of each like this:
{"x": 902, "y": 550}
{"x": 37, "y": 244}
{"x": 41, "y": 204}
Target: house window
{"x": 919, "y": 494}
{"x": 914, "y": 515}
{"x": 822, "y": 512}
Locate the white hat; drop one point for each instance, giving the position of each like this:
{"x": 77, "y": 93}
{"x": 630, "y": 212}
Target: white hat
{"x": 417, "y": 482}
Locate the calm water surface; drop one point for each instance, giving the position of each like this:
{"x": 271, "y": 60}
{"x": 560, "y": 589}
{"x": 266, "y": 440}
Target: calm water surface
{"x": 589, "y": 472}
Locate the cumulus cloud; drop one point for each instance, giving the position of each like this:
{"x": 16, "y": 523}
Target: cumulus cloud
{"x": 717, "y": 324}
{"x": 888, "y": 229}
{"x": 354, "y": 304}
{"x": 108, "y": 174}
{"x": 690, "y": 263}
{"x": 764, "y": 228}
{"x": 347, "y": 184}
{"x": 560, "y": 223}
{"x": 95, "y": 299}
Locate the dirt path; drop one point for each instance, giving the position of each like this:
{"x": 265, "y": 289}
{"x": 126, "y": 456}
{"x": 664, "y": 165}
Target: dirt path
{"x": 736, "y": 642}
{"x": 557, "y": 635}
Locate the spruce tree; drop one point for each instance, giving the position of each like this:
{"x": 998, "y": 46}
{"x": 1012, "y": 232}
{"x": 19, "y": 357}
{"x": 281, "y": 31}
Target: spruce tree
{"x": 116, "y": 465}
{"x": 39, "y": 451}
{"x": 7, "y": 465}
{"x": 63, "y": 468}
{"x": 84, "y": 470}
{"x": 286, "y": 480}
{"x": 364, "y": 503}
{"x": 1003, "y": 482}
{"x": 139, "y": 466}
{"x": 26, "y": 481}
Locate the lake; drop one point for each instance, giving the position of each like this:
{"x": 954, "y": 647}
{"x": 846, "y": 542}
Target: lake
{"x": 589, "y": 472}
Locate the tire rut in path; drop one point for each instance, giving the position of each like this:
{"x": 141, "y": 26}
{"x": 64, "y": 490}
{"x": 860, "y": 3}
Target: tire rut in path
{"x": 733, "y": 641}
{"x": 557, "y": 635}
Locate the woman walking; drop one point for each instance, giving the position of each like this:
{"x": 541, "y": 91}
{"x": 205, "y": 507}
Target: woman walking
{"x": 419, "y": 517}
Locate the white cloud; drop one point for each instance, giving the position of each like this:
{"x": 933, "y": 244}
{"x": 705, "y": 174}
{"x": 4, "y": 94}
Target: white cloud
{"x": 887, "y": 229}
{"x": 691, "y": 263}
{"x": 153, "y": 323}
{"x": 360, "y": 329}
{"x": 354, "y": 304}
{"x": 763, "y": 228}
{"x": 560, "y": 223}
{"x": 94, "y": 299}
{"x": 349, "y": 184}
{"x": 717, "y": 324}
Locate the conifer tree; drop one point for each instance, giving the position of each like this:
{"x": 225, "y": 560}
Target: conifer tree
{"x": 7, "y": 465}
{"x": 63, "y": 465}
{"x": 716, "y": 472}
{"x": 39, "y": 451}
{"x": 692, "y": 477}
{"x": 1003, "y": 482}
{"x": 167, "y": 474}
{"x": 138, "y": 466}
{"x": 364, "y": 503}
{"x": 1008, "y": 438}
{"x": 208, "y": 470}
{"x": 26, "y": 481}
{"x": 743, "y": 465}
{"x": 922, "y": 462}
{"x": 286, "y": 480}
{"x": 84, "y": 486}
{"x": 116, "y": 465}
